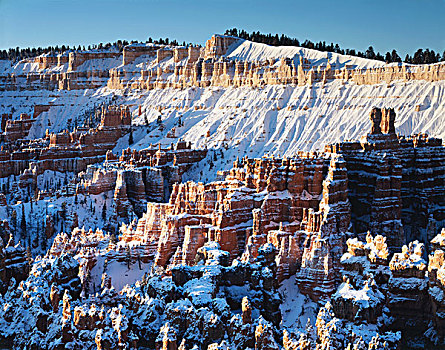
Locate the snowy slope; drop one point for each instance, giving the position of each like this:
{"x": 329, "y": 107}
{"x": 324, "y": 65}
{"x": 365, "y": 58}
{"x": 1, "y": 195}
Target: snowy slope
{"x": 285, "y": 119}
{"x": 296, "y": 308}
{"x": 250, "y": 51}
{"x": 276, "y": 119}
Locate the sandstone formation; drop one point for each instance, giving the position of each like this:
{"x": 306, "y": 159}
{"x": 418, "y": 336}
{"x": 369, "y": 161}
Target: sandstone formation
{"x": 196, "y": 66}
{"x": 237, "y": 215}
{"x": 67, "y": 152}
{"x": 212, "y": 256}
{"x": 14, "y": 264}
{"x": 18, "y": 129}
{"x": 395, "y": 184}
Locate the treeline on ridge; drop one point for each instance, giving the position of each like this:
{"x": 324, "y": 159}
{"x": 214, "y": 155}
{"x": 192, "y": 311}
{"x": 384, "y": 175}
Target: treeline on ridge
{"x": 419, "y": 57}
{"x": 17, "y": 54}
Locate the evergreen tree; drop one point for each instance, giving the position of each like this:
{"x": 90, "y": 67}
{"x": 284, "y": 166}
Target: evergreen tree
{"x": 29, "y": 256}
{"x": 128, "y": 256}
{"x": 23, "y": 221}
{"x": 113, "y": 238}
{"x": 370, "y": 53}
{"x": 130, "y": 138}
{"x": 104, "y": 212}
{"x": 418, "y": 57}
{"x": 14, "y": 219}
{"x": 86, "y": 283}
{"x": 379, "y": 57}
{"x": 395, "y": 57}
{"x": 63, "y": 211}
{"x": 42, "y": 236}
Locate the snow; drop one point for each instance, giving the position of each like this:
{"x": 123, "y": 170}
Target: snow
{"x": 200, "y": 291}
{"x": 408, "y": 284}
{"x": 273, "y": 120}
{"x": 121, "y": 275}
{"x": 276, "y": 119}
{"x": 99, "y": 64}
{"x": 250, "y": 51}
{"x": 365, "y": 297}
{"x": 245, "y": 121}
{"x": 296, "y": 308}
{"x": 410, "y": 257}
{"x": 67, "y": 106}
{"x": 88, "y": 210}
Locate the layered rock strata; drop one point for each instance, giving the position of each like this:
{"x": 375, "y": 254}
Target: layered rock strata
{"x": 67, "y": 151}
{"x": 395, "y": 184}
{"x": 288, "y": 203}
{"x": 181, "y": 67}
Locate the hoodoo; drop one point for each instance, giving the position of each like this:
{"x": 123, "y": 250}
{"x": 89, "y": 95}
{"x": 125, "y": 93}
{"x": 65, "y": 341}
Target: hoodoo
{"x": 231, "y": 196}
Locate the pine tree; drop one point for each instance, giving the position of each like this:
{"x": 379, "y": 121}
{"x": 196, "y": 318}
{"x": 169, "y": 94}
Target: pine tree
{"x": 14, "y": 219}
{"x": 86, "y": 283}
{"x": 395, "y": 57}
{"x": 43, "y": 238}
{"x": 23, "y": 221}
{"x": 370, "y": 53}
{"x": 128, "y": 256}
{"x": 130, "y": 138}
{"x": 63, "y": 211}
{"x": 104, "y": 212}
{"x": 418, "y": 57}
{"x": 29, "y": 256}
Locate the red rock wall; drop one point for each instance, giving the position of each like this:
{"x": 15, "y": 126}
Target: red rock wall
{"x": 394, "y": 181}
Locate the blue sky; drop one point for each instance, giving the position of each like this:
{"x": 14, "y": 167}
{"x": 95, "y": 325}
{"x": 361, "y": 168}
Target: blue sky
{"x": 385, "y": 24}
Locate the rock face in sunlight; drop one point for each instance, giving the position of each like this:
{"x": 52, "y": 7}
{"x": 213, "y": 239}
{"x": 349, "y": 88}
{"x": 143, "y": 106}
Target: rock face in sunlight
{"x": 14, "y": 264}
{"x": 187, "y": 197}
{"x": 395, "y": 183}
{"x": 196, "y": 66}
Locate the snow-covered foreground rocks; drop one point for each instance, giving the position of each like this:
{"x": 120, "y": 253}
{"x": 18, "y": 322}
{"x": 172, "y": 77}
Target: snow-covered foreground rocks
{"x": 253, "y": 260}
{"x": 210, "y": 303}
{"x": 188, "y": 200}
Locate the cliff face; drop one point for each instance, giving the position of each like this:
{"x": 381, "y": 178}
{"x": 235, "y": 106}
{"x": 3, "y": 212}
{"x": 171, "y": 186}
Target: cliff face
{"x": 139, "y": 176}
{"x": 305, "y": 206}
{"x": 389, "y": 182}
{"x": 203, "y": 261}
{"x": 216, "y": 248}
{"x": 208, "y": 66}
{"x": 14, "y": 262}
{"x": 65, "y": 151}
{"x": 284, "y": 202}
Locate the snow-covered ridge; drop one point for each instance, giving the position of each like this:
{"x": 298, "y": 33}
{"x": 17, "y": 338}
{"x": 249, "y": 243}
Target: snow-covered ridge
{"x": 245, "y": 50}
{"x": 276, "y": 118}
{"x": 232, "y": 49}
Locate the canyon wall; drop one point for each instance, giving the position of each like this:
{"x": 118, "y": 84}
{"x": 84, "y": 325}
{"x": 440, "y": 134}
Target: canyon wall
{"x": 194, "y": 66}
